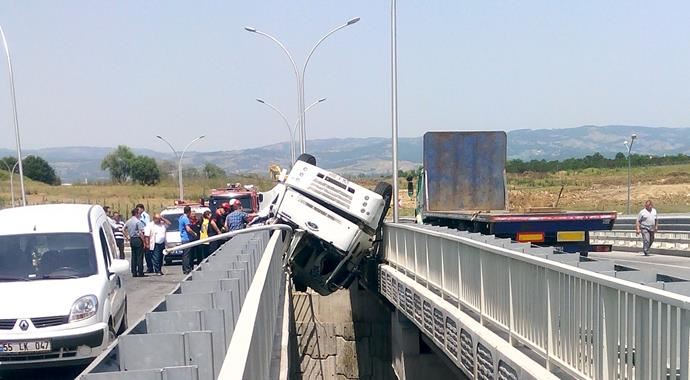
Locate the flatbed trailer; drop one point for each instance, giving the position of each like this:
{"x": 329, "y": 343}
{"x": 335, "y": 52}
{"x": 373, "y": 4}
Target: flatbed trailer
{"x": 568, "y": 230}
{"x": 462, "y": 185}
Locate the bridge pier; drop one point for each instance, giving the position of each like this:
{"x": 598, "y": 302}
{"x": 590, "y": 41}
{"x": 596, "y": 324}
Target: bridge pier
{"x": 346, "y": 335}
{"x": 412, "y": 359}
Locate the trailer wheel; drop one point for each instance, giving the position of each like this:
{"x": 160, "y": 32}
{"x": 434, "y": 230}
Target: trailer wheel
{"x": 308, "y": 158}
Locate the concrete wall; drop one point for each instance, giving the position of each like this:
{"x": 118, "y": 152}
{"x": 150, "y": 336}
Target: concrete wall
{"x": 346, "y": 335}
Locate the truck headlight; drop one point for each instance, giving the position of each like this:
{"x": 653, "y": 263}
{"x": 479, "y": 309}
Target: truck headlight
{"x": 83, "y": 308}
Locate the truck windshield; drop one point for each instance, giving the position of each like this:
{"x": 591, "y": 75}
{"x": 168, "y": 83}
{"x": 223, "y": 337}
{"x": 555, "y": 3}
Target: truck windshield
{"x": 218, "y": 200}
{"x": 46, "y": 256}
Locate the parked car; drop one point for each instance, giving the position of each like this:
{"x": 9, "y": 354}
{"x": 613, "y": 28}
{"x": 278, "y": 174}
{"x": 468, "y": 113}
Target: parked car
{"x": 62, "y": 295}
{"x": 172, "y": 234}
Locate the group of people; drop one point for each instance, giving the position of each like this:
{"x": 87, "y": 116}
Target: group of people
{"x": 146, "y": 235}
{"x": 228, "y": 217}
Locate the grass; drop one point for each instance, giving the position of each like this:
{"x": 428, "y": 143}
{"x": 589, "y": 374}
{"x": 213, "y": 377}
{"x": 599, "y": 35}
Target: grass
{"x": 589, "y": 189}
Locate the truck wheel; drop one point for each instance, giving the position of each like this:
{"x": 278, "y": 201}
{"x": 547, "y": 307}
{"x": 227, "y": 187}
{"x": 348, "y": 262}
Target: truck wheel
{"x": 308, "y": 158}
{"x": 385, "y": 190}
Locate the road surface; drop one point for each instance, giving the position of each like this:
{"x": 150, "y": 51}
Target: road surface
{"x": 142, "y": 295}
{"x": 675, "y": 266}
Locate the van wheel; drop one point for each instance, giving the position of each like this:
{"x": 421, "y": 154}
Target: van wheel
{"x": 123, "y": 325}
{"x": 308, "y": 158}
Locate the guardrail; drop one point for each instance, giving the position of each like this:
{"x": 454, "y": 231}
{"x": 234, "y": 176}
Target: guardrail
{"x": 585, "y": 324}
{"x": 673, "y": 237}
{"x": 219, "y": 323}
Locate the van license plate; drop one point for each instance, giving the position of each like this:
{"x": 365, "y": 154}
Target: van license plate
{"x": 23, "y": 347}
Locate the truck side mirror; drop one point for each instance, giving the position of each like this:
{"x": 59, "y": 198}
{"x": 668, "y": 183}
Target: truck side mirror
{"x": 410, "y": 186}
{"x": 261, "y": 198}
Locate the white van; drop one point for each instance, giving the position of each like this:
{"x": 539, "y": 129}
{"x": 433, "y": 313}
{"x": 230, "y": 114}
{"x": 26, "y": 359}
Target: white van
{"x": 172, "y": 232}
{"x": 62, "y": 296}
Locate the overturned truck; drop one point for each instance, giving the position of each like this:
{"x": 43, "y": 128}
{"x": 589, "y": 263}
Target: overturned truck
{"x": 337, "y": 224}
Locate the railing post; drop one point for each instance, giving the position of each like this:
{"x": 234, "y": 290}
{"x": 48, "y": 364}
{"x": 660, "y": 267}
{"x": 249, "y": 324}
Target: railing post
{"x": 684, "y": 344}
{"x": 511, "y": 320}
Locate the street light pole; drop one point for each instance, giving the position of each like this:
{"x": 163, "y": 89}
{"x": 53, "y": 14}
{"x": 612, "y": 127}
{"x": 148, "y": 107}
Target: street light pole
{"x": 293, "y": 154}
{"x": 629, "y": 146}
{"x": 303, "y": 129}
{"x": 16, "y": 120}
{"x": 300, "y": 78}
{"x": 179, "y": 163}
{"x": 394, "y": 106}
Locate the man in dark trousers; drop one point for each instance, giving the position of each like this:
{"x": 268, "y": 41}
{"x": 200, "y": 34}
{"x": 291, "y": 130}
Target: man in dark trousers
{"x": 186, "y": 235}
{"x": 134, "y": 232}
{"x": 119, "y": 232}
{"x": 217, "y": 226}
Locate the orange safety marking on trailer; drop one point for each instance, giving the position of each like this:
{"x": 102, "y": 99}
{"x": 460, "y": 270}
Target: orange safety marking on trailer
{"x": 533, "y": 237}
{"x": 570, "y": 236}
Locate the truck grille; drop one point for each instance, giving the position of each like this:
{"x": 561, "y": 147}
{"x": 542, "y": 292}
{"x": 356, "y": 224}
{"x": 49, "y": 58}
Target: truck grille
{"x": 331, "y": 192}
{"x": 49, "y": 321}
{"x": 7, "y": 324}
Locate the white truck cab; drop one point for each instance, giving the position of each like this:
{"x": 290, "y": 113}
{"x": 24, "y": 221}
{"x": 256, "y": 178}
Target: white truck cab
{"x": 336, "y": 223}
{"x": 62, "y": 294}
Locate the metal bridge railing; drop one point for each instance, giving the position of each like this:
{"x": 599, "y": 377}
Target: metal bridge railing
{"x": 586, "y": 324}
{"x": 221, "y": 322}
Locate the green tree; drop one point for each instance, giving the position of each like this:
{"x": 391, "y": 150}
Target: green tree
{"x": 119, "y": 163}
{"x": 144, "y": 170}
{"x": 38, "y": 169}
{"x": 213, "y": 171}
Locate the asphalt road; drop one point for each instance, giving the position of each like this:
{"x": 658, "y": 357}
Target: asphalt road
{"x": 676, "y": 266}
{"x": 142, "y": 295}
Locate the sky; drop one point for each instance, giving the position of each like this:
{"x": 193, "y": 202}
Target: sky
{"x": 104, "y": 73}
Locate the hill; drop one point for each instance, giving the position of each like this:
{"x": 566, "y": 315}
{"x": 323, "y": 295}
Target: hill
{"x": 371, "y": 156}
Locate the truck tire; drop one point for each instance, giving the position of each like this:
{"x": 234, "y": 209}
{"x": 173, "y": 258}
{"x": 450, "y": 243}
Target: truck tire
{"x": 385, "y": 190}
{"x": 308, "y": 158}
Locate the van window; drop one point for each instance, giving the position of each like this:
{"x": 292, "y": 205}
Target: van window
{"x": 104, "y": 248}
{"x": 46, "y": 256}
{"x": 110, "y": 238}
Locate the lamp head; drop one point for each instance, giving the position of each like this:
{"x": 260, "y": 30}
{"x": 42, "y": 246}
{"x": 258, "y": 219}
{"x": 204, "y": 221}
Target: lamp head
{"x": 250, "y": 29}
{"x": 260, "y": 100}
{"x": 633, "y": 137}
{"x": 625, "y": 142}
{"x": 321, "y": 100}
{"x": 353, "y": 21}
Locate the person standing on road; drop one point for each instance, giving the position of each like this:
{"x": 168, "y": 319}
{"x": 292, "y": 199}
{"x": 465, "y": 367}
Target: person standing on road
{"x": 134, "y": 231}
{"x": 647, "y": 224}
{"x": 155, "y": 242}
{"x": 217, "y": 226}
{"x": 238, "y": 219}
{"x": 143, "y": 215}
{"x": 205, "y": 227}
{"x": 118, "y": 231}
{"x": 185, "y": 233}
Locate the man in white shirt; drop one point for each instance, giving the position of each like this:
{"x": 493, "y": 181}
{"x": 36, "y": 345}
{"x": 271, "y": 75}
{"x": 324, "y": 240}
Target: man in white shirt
{"x": 154, "y": 234}
{"x": 647, "y": 224}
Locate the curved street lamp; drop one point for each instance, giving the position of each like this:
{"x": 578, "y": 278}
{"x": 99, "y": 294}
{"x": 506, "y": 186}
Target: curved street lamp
{"x": 300, "y": 78}
{"x": 629, "y": 146}
{"x": 291, "y": 130}
{"x": 179, "y": 163}
{"x": 16, "y": 120}
{"x": 14, "y": 167}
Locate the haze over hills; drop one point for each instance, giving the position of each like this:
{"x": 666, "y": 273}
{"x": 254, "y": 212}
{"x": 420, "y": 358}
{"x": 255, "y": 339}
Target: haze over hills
{"x": 372, "y": 155}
